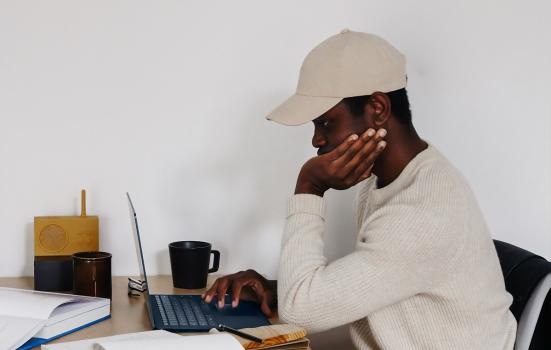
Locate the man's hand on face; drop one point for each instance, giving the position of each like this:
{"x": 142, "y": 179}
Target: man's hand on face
{"x": 245, "y": 285}
{"x": 344, "y": 166}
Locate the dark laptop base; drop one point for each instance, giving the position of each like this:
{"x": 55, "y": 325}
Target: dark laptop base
{"x": 189, "y": 313}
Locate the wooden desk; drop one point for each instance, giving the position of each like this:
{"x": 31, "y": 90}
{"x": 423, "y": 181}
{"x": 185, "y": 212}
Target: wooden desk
{"x": 129, "y": 314}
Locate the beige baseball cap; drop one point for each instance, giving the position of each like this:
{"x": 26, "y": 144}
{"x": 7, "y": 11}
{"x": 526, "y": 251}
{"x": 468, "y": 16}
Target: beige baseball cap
{"x": 345, "y": 65}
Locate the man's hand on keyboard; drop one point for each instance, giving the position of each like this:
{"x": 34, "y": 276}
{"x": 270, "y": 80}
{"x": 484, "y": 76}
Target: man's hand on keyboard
{"x": 246, "y": 285}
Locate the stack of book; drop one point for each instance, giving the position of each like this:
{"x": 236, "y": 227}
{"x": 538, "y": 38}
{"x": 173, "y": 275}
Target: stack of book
{"x": 29, "y": 318}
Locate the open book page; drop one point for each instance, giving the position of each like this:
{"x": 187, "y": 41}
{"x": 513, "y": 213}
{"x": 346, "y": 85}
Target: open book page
{"x": 294, "y": 345}
{"x": 15, "y": 331}
{"x": 29, "y": 303}
{"x": 88, "y": 344}
{"x": 203, "y": 342}
{"x": 276, "y": 336}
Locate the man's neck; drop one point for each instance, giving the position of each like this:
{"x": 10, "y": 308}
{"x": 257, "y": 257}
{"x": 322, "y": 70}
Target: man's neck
{"x": 400, "y": 150}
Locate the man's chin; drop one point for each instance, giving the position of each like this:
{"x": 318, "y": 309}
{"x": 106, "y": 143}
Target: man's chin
{"x": 321, "y": 152}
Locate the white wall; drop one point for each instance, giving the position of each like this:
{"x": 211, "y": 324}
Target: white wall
{"x": 166, "y": 99}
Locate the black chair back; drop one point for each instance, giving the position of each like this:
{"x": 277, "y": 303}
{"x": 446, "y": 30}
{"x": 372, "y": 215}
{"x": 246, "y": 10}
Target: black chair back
{"x": 523, "y": 271}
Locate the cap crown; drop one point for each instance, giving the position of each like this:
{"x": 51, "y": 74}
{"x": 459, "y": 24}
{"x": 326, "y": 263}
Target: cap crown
{"x": 352, "y": 64}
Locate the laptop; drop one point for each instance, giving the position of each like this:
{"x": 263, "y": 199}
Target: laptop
{"x": 189, "y": 313}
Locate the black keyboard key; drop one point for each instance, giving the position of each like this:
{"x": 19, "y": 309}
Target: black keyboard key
{"x": 189, "y": 313}
{"x": 172, "y": 320}
{"x": 210, "y": 321}
{"x": 206, "y": 308}
{"x": 198, "y": 313}
{"x": 182, "y": 320}
{"x": 161, "y": 309}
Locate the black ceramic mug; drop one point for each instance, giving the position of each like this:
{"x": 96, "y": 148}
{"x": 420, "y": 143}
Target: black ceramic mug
{"x": 190, "y": 261}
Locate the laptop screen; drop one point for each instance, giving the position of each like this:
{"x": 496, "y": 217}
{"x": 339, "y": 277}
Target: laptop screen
{"x": 139, "y": 252}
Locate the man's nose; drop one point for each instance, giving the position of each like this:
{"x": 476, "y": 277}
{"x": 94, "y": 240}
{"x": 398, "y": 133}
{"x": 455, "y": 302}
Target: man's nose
{"x": 318, "y": 140}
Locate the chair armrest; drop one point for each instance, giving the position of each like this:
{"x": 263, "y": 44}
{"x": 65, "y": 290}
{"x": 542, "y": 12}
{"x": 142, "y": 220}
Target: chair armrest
{"x": 531, "y": 313}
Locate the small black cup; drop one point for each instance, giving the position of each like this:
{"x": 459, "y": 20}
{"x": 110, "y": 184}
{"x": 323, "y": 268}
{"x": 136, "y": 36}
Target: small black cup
{"x": 190, "y": 262}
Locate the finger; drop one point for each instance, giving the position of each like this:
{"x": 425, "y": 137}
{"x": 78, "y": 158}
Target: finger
{"x": 211, "y": 292}
{"x": 359, "y": 162}
{"x": 357, "y": 146}
{"x": 374, "y": 140}
{"x": 221, "y": 291}
{"x": 381, "y": 145}
{"x": 366, "y": 161}
{"x": 344, "y": 146}
{"x": 356, "y": 166}
{"x": 369, "y": 146}
{"x": 263, "y": 298}
{"x": 264, "y": 307}
{"x": 367, "y": 173}
{"x": 236, "y": 292}
{"x": 363, "y": 170}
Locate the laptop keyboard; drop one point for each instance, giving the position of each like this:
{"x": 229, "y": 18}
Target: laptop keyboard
{"x": 183, "y": 312}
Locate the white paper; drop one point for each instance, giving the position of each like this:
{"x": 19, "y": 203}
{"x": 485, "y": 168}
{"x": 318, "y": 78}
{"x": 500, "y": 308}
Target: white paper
{"x": 15, "y": 331}
{"x": 24, "y": 313}
{"x": 190, "y": 342}
{"x": 88, "y": 344}
{"x": 30, "y": 304}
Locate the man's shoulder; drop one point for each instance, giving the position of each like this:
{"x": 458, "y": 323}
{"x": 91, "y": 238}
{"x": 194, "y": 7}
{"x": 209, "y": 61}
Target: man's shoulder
{"x": 433, "y": 205}
{"x": 429, "y": 182}
{"x": 434, "y": 184}
{"x": 436, "y": 175}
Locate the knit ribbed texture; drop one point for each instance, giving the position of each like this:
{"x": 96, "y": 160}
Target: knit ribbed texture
{"x": 424, "y": 274}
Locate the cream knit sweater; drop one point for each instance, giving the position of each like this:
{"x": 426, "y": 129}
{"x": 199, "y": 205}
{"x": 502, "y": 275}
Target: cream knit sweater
{"x": 424, "y": 274}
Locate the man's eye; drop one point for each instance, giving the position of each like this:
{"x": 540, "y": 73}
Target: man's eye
{"x": 323, "y": 123}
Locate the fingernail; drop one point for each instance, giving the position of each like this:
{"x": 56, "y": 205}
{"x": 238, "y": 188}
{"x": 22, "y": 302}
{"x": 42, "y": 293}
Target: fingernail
{"x": 353, "y": 137}
{"x": 370, "y": 132}
{"x": 382, "y": 132}
{"x": 234, "y": 304}
{"x": 381, "y": 145}
{"x": 220, "y": 305}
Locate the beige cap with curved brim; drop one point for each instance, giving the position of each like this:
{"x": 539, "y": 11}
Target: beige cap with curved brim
{"x": 345, "y": 65}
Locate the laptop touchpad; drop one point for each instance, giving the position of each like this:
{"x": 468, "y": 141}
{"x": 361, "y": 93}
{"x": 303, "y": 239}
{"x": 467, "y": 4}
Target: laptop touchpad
{"x": 246, "y": 314}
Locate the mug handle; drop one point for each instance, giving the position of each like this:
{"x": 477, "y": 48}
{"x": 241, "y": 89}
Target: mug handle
{"x": 216, "y": 262}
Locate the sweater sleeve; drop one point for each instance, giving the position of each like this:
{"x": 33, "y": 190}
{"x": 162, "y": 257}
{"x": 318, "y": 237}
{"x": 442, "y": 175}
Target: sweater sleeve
{"x": 403, "y": 251}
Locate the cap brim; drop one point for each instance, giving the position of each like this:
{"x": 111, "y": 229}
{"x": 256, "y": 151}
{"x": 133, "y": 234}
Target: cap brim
{"x": 300, "y": 109}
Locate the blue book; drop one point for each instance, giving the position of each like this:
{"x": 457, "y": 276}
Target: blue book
{"x": 29, "y": 318}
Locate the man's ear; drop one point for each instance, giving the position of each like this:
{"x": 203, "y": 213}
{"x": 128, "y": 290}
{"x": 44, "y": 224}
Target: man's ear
{"x": 377, "y": 109}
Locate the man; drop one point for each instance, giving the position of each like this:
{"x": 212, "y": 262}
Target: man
{"x": 424, "y": 274}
